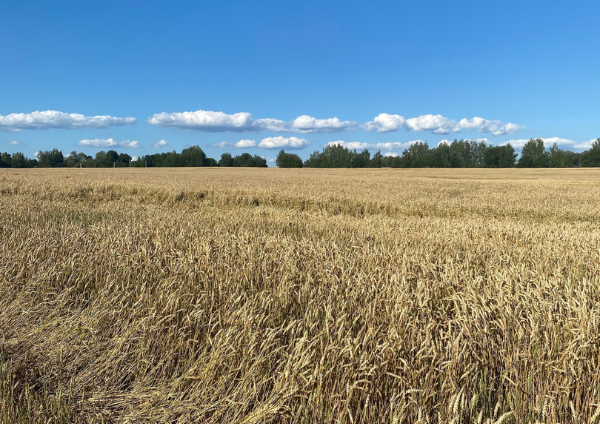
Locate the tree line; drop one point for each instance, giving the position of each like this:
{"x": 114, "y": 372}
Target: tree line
{"x": 192, "y": 156}
{"x": 457, "y": 154}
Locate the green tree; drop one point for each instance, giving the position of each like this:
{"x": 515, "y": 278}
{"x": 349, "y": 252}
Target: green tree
{"x": 5, "y": 160}
{"x": 360, "y": 160}
{"x": 592, "y": 157}
{"x": 226, "y": 160}
{"x": 124, "y": 159}
{"x": 18, "y": 160}
{"x": 288, "y": 160}
{"x": 534, "y": 155}
{"x": 499, "y": 157}
{"x": 193, "y": 156}
{"x": 51, "y": 158}
{"x": 247, "y": 160}
{"x": 416, "y": 156}
{"x": 376, "y": 160}
{"x": 111, "y": 159}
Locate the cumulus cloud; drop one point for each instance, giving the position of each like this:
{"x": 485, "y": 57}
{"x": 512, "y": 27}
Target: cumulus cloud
{"x": 130, "y": 144}
{"x": 585, "y": 145}
{"x": 485, "y": 125}
{"x": 206, "y": 120}
{"x": 358, "y": 145}
{"x": 548, "y": 142}
{"x": 109, "y": 142}
{"x": 160, "y": 143}
{"x": 270, "y": 124}
{"x": 309, "y": 124}
{"x": 438, "y": 124}
{"x": 384, "y": 122}
{"x": 14, "y": 143}
{"x": 565, "y": 143}
{"x": 478, "y": 140}
{"x": 244, "y": 144}
{"x": 54, "y": 119}
{"x": 281, "y": 142}
{"x": 395, "y": 145}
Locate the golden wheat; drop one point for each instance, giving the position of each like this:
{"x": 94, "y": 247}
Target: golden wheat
{"x": 297, "y": 296}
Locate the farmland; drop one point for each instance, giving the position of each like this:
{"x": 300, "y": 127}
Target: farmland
{"x": 298, "y": 296}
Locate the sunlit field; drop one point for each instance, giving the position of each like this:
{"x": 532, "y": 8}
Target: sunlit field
{"x": 299, "y": 296}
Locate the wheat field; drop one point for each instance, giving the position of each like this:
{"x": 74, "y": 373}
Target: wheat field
{"x": 299, "y": 296}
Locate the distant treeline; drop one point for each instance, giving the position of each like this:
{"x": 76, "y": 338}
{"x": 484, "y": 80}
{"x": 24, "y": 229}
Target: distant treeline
{"x": 457, "y": 154}
{"x": 192, "y": 156}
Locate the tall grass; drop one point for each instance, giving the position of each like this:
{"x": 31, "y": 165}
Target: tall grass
{"x": 277, "y": 296}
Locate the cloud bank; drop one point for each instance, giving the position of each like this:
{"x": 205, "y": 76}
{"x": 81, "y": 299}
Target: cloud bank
{"x": 281, "y": 142}
{"x": 548, "y": 142}
{"x": 210, "y": 121}
{"x": 438, "y": 124}
{"x": 243, "y": 144}
{"x": 358, "y": 145}
{"x": 54, "y": 119}
{"x": 109, "y": 142}
{"x": 309, "y": 124}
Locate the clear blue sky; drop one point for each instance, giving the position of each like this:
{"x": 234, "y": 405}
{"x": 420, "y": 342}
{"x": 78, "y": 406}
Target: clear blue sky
{"x": 532, "y": 64}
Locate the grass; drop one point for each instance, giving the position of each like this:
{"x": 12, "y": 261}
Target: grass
{"x": 299, "y": 296}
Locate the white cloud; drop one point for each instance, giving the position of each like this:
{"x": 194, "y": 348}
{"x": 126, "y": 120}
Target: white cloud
{"x": 309, "y": 124}
{"x": 564, "y": 143}
{"x": 478, "y": 140}
{"x": 548, "y": 142}
{"x": 358, "y": 145}
{"x": 485, "y": 125}
{"x": 390, "y": 154}
{"x": 98, "y": 142}
{"x": 130, "y": 144}
{"x": 270, "y": 124}
{"x": 160, "y": 143}
{"x": 279, "y": 142}
{"x": 109, "y": 142}
{"x": 204, "y": 120}
{"x": 244, "y": 144}
{"x": 37, "y": 155}
{"x": 585, "y": 145}
{"x": 385, "y": 122}
{"x": 14, "y": 143}
{"x": 396, "y": 145}
{"x": 438, "y": 124}
{"x": 54, "y": 119}
{"x": 134, "y": 159}
{"x": 222, "y": 144}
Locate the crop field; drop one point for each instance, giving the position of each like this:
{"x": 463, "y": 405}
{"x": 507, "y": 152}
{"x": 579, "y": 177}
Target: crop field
{"x": 299, "y": 296}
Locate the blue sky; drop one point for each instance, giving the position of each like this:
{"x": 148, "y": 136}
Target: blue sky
{"x": 295, "y": 75}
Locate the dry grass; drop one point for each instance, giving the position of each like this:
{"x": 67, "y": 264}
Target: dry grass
{"x": 299, "y": 296}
